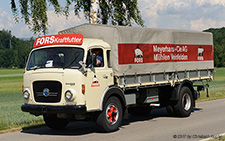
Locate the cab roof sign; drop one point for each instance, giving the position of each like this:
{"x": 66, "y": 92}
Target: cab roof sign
{"x": 72, "y": 39}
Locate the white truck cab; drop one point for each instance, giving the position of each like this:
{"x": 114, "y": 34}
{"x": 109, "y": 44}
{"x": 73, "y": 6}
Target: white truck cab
{"x": 56, "y": 82}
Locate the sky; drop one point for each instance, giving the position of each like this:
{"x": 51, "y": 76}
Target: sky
{"x": 166, "y": 14}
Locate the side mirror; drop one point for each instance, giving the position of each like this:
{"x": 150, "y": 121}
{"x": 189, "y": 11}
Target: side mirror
{"x": 82, "y": 64}
{"x": 91, "y": 61}
{"x": 83, "y": 68}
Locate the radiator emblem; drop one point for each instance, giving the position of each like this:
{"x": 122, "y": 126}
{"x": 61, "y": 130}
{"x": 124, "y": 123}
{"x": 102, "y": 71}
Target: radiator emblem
{"x": 46, "y": 92}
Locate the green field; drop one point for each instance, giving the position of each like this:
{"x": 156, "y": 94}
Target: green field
{"x": 217, "y": 87}
{"x": 11, "y": 98}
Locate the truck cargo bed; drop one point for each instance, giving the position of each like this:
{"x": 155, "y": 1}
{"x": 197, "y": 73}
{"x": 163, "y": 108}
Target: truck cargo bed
{"x": 147, "y": 55}
{"x": 166, "y": 78}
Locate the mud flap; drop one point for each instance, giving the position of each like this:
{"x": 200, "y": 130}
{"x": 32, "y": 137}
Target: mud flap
{"x": 126, "y": 115}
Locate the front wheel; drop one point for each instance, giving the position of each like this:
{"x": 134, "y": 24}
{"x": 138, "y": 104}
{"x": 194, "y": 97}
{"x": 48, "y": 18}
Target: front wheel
{"x": 111, "y": 117}
{"x": 52, "y": 121}
{"x": 185, "y": 104}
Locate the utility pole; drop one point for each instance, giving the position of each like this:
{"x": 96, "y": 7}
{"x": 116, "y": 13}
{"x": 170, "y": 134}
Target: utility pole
{"x": 10, "y": 40}
{"x": 94, "y": 11}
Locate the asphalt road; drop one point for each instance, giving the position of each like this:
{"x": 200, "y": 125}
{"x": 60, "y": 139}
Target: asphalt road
{"x": 207, "y": 120}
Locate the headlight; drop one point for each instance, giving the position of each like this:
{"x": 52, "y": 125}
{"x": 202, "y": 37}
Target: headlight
{"x": 26, "y": 94}
{"x": 68, "y": 95}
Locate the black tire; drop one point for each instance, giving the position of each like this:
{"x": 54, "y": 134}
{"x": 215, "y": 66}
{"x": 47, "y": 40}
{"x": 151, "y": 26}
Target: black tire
{"x": 111, "y": 117}
{"x": 185, "y": 104}
{"x": 140, "y": 110}
{"x": 52, "y": 121}
{"x": 170, "y": 110}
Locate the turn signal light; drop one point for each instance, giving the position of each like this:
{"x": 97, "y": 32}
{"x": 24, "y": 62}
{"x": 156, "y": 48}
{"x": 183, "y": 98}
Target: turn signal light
{"x": 83, "y": 89}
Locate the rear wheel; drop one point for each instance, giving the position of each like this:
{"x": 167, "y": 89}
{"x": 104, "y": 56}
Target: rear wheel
{"x": 170, "y": 110}
{"x": 111, "y": 117}
{"x": 52, "y": 121}
{"x": 140, "y": 110}
{"x": 184, "y": 106}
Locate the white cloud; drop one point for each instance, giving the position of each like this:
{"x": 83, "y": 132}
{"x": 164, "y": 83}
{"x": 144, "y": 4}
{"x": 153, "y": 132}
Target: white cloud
{"x": 178, "y": 14}
{"x": 205, "y": 23}
{"x": 212, "y": 2}
{"x": 202, "y": 24}
{"x": 17, "y": 29}
{"x": 156, "y": 13}
{"x": 5, "y": 20}
{"x": 57, "y": 23}
{"x": 183, "y": 14}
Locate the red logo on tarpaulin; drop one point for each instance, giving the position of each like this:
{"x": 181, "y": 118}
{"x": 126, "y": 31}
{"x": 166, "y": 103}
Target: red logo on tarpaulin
{"x": 75, "y": 39}
{"x": 200, "y": 53}
{"x": 138, "y": 55}
{"x": 156, "y": 53}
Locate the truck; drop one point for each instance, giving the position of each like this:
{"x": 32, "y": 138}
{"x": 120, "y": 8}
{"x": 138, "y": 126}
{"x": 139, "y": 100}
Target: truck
{"x": 103, "y": 73}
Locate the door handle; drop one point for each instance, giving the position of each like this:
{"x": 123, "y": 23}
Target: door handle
{"x": 105, "y": 76}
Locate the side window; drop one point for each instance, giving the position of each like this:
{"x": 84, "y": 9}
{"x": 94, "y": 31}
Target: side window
{"x": 108, "y": 59}
{"x": 98, "y": 54}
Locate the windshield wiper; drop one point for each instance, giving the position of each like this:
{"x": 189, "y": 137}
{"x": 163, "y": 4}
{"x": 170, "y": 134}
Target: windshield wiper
{"x": 34, "y": 68}
{"x": 74, "y": 60}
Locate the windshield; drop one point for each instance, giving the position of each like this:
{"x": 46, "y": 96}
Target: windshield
{"x": 58, "y": 57}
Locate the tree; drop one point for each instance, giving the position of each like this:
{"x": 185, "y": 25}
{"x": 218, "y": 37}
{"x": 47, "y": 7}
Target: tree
{"x": 13, "y": 51}
{"x": 219, "y": 45}
{"x": 116, "y": 12}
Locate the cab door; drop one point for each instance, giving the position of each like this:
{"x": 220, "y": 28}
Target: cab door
{"x": 97, "y": 80}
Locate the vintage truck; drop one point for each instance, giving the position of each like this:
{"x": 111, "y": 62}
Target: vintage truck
{"x": 139, "y": 68}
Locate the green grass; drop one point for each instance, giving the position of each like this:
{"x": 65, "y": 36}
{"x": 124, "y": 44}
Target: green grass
{"x": 222, "y": 138}
{"x": 11, "y": 71}
{"x": 216, "y": 87}
{"x": 11, "y": 81}
{"x": 11, "y": 100}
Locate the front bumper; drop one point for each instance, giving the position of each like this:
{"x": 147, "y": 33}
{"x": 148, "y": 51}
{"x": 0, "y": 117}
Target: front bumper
{"x": 46, "y": 109}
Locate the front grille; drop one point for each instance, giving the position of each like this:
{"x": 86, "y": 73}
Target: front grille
{"x": 47, "y": 91}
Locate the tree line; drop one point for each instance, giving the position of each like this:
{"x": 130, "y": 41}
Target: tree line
{"x": 13, "y": 51}
{"x": 219, "y": 45}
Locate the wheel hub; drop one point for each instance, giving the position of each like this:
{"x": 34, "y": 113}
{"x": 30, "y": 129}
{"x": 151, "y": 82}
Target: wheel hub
{"x": 112, "y": 114}
{"x": 186, "y": 101}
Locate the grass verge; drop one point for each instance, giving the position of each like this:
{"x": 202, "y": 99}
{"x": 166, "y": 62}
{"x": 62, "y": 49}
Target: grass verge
{"x": 216, "y": 87}
{"x": 11, "y": 99}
